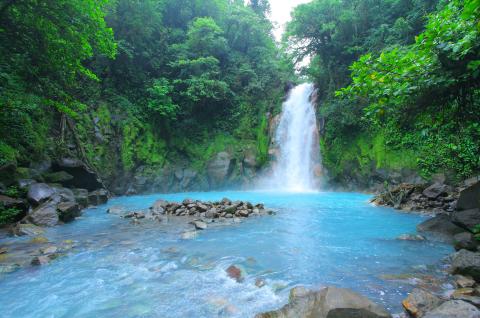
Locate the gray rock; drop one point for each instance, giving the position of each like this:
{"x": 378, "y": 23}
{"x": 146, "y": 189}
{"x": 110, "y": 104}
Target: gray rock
{"x": 219, "y": 169}
{"x": 212, "y": 213}
{"x": 466, "y": 219}
{"x": 420, "y": 302}
{"x": 435, "y": 190}
{"x": 81, "y": 196}
{"x": 68, "y": 211}
{"x": 159, "y": 207}
{"x": 411, "y": 237}
{"x": 465, "y": 240}
{"x": 45, "y": 215}
{"x": 200, "y": 225}
{"x": 330, "y": 302}
{"x": 21, "y": 229}
{"x": 39, "y": 192}
{"x": 440, "y": 225}
{"x": 9, "y": 202}
{"x": 454, "y": 309}
{"x": 83, "y": 177}
{"x": 464, "y": 281}
{"x": 25, "y": 183}
{"x": 98, "y": 197}
{"x": 469, "y": 197}
{"x": 117, "y": 210}
{"x": 65, "y": 194}
{"x": 40, "y": 260}
{"x": 466, "y": 263}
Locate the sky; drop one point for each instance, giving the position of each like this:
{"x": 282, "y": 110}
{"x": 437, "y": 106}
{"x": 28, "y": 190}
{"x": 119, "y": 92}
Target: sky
{"x": 280, "y": 14}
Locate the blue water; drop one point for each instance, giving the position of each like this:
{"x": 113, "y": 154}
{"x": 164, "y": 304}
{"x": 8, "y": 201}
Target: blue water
{"x": 124, "y": 270}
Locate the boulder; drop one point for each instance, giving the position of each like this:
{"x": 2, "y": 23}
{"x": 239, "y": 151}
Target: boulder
{"x": 39, "y": 192}
{"x": 436, "y": 190}
{"x": 9, "y": 202}
{"x": 200, "y": 225}
{"x": 219, "y": 169}
{"x": 420, "y": 302}
{"x": 466, "y": 219}
{"x": 61, "y": 177}
{"x": 83, "y": 177}
{"x": 98, "y": 197}
{"x": 469, "y": 197}
{"x": 81, "y": 196}
{"x": 65, "y": 194}
{"x": 68, "y": 211}
{"x": 465, "y": 240}
{"x": 25, "y": 183}
{"x": 330, "y": 302}
{"x": 411, "y": 237}
{"x": 45, "y": 215}
{"x": 159, "y": 207}
{"x": 440, "y": 225}
{"x": 117, "y": 210}
{"x": 466, "y": 263}
{"x": 212, "y": 213}
{"x": 464, "y": 281}
{"x": 454, "y": 309}
{"x": 235, "y": 273}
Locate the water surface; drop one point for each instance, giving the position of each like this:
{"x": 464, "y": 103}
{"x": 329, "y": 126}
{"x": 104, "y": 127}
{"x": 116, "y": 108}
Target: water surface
{"x": 125, "y": 270}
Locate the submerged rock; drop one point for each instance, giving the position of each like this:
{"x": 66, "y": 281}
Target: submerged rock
{"x": 235, "y": 273}
{"x": 411, "y": 237}
{"x": 328, "y": 303}
{"x": 200, "y": 225}
{"x": 98, "y": 197}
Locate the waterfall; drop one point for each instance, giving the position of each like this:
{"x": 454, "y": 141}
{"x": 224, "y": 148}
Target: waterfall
{"x": 297, "y": 162}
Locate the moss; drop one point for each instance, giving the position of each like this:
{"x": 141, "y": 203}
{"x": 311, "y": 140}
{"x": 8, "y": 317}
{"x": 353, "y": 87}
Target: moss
{"x": 7, "y": 154}
{"x": 262, "y": 141}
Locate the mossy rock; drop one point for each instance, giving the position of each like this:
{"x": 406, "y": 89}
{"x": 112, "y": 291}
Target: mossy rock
{"x": 57, "y": 177}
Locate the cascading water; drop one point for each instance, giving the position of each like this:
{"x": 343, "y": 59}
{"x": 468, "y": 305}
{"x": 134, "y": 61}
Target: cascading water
{"x": 297, "y": 141}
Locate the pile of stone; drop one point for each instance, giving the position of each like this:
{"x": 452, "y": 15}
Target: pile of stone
{"x": 225, "y": 208}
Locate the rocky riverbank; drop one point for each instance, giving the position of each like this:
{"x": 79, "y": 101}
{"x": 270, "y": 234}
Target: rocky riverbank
{"x": 456, "y": 215}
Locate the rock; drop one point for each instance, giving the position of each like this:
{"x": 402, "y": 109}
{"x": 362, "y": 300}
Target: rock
{"x": 49, "y": 250}
{"x": 189, "y": 235}
{"x": 3, "y": 250}
{"x": 200, "y": 225}
{"x": 219, "y": 169}
{"x": 8, "y": 202}
{"x": 117, "y": 210}
{"x": 25, "y": 183}
{"x": 21, "y": 229}
{"x": 83, "y": 177}
{"x": 40, "y": 260}
{"x": 465, "y": 240}
{"x": 469, "y": 197}
{"x": 474, "y": 300}
{"x": 135, "y": 215}
{"x": 454, "y": 309}
{"x": 66, "y": 195}
{"x": 235, "y": 273}
{"x": 435, "y": 190}
{"x": 98, "y": 197}
{"x": 39, "y": 192}
{"x": 440, "y": 225}
{"x": 44, "y": 215}
{"x": 243, "y": 213}
{"x": 212, "y": 213}
{"x": 159, "y": 207}
{"x": 464, "y": 281}
{"x": 61, "y": 177}
{"x": 411, "y": 237}
{"x": 463, "y": 292}
{"x": 68, "y": 211}
{"x": 39, "y": 240}
{"x": 230, "y": 209}
{"x": 420, "y": 302}
{"x": 187, "y": 201}
{"x": 330, "y": 302}
{"x": 81, "y": 196}
{"x": 260, "y": 282}
{"x": 466, "y": 263}
{"x": 466, "y": 219}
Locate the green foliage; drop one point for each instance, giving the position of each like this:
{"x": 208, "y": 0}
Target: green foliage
{"x": 160, "y": 102}
{"x": 263, "y": 141}
{"x": 9, "y": 215}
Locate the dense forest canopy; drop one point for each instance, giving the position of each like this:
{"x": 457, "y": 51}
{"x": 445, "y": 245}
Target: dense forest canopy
{"x": 409, "y": 69}
{"x": 164, "y": 77}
